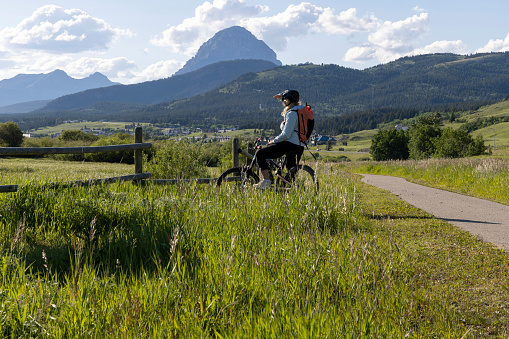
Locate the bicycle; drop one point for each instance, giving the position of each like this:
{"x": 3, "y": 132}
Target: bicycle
{"x": 299, "y": 176}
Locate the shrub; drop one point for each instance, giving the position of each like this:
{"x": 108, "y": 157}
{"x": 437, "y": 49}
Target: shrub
{"x": 457, "y": 144}
{"x": 177, "y": 160}
{"x": 126, "y": 157}
{"x": 389, "y": 145}
{"x": 10, "y": 135}
{"x": 77, "y": 135}
{"x": 421, "y": 144}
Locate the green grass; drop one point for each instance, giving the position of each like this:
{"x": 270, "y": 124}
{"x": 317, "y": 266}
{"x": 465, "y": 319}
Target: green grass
{"x": 79, "y": 125}
{"x": 497, "y": 136}
{"x": 198, "y": 261}
{"x": 499, "y": 109}
{"x": 19, "y": 171}
{"x": 360, "y": 140}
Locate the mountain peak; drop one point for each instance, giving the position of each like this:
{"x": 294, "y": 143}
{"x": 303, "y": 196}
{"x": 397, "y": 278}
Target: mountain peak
{"x": 58, "y": 72}
{"x": 97, "y": 76}
{"x": 233, "y": 43}
{"x": 34, "y": 87}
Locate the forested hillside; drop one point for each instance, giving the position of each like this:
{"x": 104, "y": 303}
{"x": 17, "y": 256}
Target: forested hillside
{"x": 344, "y": 100}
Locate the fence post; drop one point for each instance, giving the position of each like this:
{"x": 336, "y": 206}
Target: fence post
{"x": 235, "y": 151}
{"x": 250, "y": 150}
{"x": 138, "y": 154}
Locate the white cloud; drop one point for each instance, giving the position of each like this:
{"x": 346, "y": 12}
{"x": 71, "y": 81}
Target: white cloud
{"x": 119, "y": 69}
{"x": 399, "y": 36}
{"x": 495, "y": 45}
{"x": 159, "y": 70}
{"x": 457, "y": 47}
{"x": 346, "y": 22}
{"x": 360, "y": 54}
{"x": 113, "y": 68}
{"x": 122, "y": 69}
{"x": 116, "y": 69}
{"x": 295, "y": 21}
{"x": 418, "y": 9}
{"x": 208, "y": 19}
{"x": 392, "y": 40}
{"x": 276, "y": 30}
{"x": 56, "y": 30}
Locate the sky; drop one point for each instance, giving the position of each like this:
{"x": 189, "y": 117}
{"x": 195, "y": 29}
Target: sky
{"x": 132, "y": 41}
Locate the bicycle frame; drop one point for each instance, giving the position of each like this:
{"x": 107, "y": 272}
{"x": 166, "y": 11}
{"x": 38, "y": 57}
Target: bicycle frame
{"x": 276, "y": 168}
{"x": 283, "y": 178}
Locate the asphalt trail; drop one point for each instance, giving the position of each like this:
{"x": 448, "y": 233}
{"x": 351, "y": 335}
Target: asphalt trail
{"x": 486, "y": 219}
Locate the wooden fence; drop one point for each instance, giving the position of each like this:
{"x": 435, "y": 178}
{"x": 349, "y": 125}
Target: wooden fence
{"x": 138, "y": 146}
{"x": 138, "y": 175}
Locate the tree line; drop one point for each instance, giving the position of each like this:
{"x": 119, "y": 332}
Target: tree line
{"x": 425, "y": 138}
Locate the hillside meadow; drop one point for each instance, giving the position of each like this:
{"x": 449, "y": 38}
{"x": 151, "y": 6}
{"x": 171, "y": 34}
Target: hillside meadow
{"x": 125, "y": 260}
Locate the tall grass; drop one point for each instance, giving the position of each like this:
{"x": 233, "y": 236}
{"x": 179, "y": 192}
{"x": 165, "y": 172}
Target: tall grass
{"x": 37, "y": 171}
{"x": 194, "y": 261}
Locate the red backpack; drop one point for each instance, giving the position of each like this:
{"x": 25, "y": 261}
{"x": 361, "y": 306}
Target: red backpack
{"x": 306, "y": 123}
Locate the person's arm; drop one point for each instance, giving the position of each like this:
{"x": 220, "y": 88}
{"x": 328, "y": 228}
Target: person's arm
{"x": 290, "y": 126}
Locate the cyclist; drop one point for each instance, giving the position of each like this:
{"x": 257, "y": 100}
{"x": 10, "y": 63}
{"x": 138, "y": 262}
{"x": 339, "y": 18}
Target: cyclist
{"x": 285, "y": 143}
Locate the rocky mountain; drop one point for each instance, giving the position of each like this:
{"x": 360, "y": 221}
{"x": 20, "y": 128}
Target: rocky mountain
{"x": 234, "y": 43}
{"x": 34, "y": 87}
{"x": 229, "y": 54}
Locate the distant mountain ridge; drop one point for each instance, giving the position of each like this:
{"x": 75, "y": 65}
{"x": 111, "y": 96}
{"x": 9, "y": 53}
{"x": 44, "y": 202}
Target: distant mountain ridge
{"x": 164, "y": 90}
{"x": 234, "y": 43}
{"x": 33, "y": 87}
{"x": 23, "y": 107}
{"x": 344, "y": 99}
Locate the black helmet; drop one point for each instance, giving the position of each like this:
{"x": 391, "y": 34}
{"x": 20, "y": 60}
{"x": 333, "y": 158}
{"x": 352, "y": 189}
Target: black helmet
{"x": 290, "y": 94}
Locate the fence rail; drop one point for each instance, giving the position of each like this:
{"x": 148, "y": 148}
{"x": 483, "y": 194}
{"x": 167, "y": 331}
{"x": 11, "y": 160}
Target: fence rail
{"x": 139, "y": 176}
{"x": 132, "y": 177}
{"x": 71, "y": 150}
{"x": 137, "y": 147}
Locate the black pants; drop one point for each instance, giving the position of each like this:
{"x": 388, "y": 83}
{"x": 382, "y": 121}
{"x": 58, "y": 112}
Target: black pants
{"x": 293, "y": 153}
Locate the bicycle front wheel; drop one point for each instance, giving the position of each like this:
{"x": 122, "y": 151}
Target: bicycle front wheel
{"x": 299, "y": 177}
{"x": 237, "y": 177}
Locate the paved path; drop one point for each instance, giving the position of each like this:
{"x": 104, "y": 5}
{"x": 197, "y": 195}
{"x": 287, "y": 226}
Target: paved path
{"x": 486, "y": 219}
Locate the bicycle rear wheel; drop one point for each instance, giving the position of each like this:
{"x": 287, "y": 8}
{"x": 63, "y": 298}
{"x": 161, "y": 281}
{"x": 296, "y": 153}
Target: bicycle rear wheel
{"x": 300, "y": 177}
{"x": 237, "y": 177}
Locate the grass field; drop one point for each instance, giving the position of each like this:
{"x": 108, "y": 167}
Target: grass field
{"x": 80, "y": 125}
{"x": 38, "y": 171}
{"x": 199, "y": 261}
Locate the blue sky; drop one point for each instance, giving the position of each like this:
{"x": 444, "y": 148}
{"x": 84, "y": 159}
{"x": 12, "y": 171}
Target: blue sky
{"x": 132, "y": 41}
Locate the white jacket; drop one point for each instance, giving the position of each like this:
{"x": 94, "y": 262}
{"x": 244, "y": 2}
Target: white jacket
{"x": 290, "y": 127}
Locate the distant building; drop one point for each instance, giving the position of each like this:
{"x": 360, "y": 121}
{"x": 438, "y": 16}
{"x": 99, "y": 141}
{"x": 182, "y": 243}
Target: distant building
{"x": 400, "y": 127}
{"x": 323, "y": 140}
